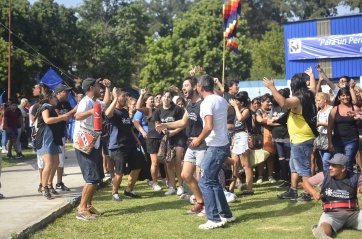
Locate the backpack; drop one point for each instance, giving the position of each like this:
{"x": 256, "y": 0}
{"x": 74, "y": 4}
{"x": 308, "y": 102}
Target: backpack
{"x": 166, "y": 152}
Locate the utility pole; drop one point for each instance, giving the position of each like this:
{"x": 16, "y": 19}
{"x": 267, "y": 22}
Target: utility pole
{"x": 9, "y": 53}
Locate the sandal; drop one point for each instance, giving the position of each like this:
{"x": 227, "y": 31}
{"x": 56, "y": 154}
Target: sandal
{"x": 247, "y": 193}
{"x": 52, "y": 190}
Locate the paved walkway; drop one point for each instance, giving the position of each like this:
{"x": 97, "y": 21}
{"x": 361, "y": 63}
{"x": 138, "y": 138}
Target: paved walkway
{"x": 24, "y": 210}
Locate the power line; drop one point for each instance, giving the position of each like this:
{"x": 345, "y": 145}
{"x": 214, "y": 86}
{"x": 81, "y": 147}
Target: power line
{"x": 42, "y": 56}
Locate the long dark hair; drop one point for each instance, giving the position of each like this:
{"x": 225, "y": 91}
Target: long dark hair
{"x": 342, "y": 91}
{"x": 243, "y": 98}
{"x": 300, "y": 89}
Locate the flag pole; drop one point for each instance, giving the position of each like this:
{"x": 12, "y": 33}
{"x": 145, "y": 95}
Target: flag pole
{"x": 223, "y": 61}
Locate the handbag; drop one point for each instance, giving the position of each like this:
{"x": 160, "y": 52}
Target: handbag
{"x": 166, "y": 152}
{"x": 255, "y": 141}
{"x": 258, "y": 156}
{"x": 86, "y": 138}
{"x": 321, "y": 142}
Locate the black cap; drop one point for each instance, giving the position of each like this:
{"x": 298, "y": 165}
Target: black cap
{"x": 340, "y": 159}
{"x": 87, "y": 83}
{"x": 62, "y": 87}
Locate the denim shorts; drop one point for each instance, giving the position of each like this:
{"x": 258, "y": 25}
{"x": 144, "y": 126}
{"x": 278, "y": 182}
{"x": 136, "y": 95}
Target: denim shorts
{"x": 194, "y": 156}
{"x": 300, "y": 158}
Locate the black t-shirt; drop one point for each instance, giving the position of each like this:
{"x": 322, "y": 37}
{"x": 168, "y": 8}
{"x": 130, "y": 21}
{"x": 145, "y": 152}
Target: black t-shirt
{"x": 245, "y": 125}
{"x": 152, "y": 132}
{"x": 34, "y": 109}
{"x": 339, "y": 190}
{"x": 195, "y": 125}
{"x": 63, "y": 107}
{"x": 281, "y": 131}
{"x": 121, "y": 127}
{"x": 172, "y": 114}
{"x": 228, "y": 96}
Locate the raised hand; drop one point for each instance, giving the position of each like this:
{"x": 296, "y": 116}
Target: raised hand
{"x": 309, "y": 71}
{"x": 268, "y": 83}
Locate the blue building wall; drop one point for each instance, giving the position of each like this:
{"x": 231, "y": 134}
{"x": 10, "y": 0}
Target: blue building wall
{"x": 338, "y": 26}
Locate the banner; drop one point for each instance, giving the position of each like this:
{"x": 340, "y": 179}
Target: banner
{"x": 335, "y": 46}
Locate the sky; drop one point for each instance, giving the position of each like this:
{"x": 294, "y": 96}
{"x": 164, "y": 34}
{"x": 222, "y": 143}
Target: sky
{"x": 74, "y": 3}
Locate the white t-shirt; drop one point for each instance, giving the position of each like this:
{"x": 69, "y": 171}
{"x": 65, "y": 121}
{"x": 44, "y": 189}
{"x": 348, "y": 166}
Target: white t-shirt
{"x": 323, "y": 117}
{"x": 217, "y": 107}
{"x": 84, "y": 105}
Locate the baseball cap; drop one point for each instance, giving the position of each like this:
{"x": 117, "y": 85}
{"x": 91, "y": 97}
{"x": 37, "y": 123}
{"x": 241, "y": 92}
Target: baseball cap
{"x": 87, "y": 83}
{"x": 340, "y": 159}
{"x": 61, "y": 87}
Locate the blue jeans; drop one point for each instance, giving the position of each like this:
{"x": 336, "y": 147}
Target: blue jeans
{"x": 348, "y": 148}
{"x": 214, "y": 197}
{"x": 325, "y": 155}
{"x": 3, "y": 139}
{"x": 300, "y": 158}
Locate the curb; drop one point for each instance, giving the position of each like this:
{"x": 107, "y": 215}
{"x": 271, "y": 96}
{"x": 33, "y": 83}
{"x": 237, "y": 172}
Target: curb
{"x": 69, "y": 205}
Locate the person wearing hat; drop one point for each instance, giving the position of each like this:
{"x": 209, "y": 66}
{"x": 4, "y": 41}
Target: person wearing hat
{"x": 339, "y": 197}
{"x": 91, "y": 164}
{"x": 63, "y": 107}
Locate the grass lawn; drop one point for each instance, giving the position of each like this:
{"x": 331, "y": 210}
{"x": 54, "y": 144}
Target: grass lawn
{"x": 158, "y": 216}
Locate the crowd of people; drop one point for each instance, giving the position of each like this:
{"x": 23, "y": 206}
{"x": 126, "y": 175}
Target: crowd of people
{"x": 311, "y": 138}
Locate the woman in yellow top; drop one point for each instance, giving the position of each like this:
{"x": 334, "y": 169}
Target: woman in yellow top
{"x": 300, "y": 128}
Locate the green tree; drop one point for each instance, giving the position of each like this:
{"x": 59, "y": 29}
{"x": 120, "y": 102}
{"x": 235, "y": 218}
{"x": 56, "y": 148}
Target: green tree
{"x": 353, "y": 4}
{"x": 112, "y": 40}
{"x": 197, "y": 39}
{"x": 163, "y": 13}
{"x": 309, "y": 9}
{"x": 268, "y": 55}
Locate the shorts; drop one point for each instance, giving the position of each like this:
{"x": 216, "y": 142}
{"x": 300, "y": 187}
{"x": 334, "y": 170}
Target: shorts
{"x": 300, "y": 158}
{"x": 194, "y": 156}
{"x": 240, "y": 143}
{"x": 153, "y": 145}
{"x": 91, "y": 165}
{"x": 342, "y": 219}
{"x": 40, "y": 162}
{"x": 62, "y": 154}
{"x": 105, "y": 149}
{"x": 178, "y": 142}
{"x": 12, "y": 134}
{"x": 126, "y": 159}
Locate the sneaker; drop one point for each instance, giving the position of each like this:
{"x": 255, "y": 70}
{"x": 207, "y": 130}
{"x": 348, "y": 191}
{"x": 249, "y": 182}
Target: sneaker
{"x": 304, "y": 197}
{"x": 156, "y": 187}
{"x": 211, "y": 225}
{"x": 9, "y": 156}
{"x": 19, "y": 155}
{"x": 131, "y": 194}
{"x": 94, "y": 211}
{"x": 202, "y": 213}
{"x": 291, "y": 193}
{"x": 284, "y": 184}
{"x": 197, "y": 208}
{"x": 52, "y": 190}
{"x": 260, "y": 180}
{"x": 40, "y": 188}
{"x": 4, "y": 151}
{"x": 228, "y": 219}
{"x": 62, "y": 187}
{"x": 180, "y": 190}
{"x": 319, "y": 233}
{"x": 85, "y": 216}
{"x": 185, "y": 196}
{"x": 272, "y": 180}
{"x": 170, "y": 191}
{"x": 47, "y": 194}
{"x": 107, "y": 174}
{"x": 115, "y": 197}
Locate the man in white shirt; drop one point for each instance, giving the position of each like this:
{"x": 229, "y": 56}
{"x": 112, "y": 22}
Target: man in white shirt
{"x": 91, "y": 164}
{"x": 213, "y": 111}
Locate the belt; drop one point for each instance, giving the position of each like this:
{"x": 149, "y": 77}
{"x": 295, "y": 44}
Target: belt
{"x": 340, "y": 205}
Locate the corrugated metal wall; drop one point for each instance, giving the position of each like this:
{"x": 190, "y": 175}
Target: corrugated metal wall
{"x": 337, "y": 26}
{"x": 298, "y": 30}
{"x": 349, "y": 66}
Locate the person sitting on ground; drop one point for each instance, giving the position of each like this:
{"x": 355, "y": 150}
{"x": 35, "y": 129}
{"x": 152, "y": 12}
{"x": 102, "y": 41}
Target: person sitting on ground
{"x": 339, "y": 197}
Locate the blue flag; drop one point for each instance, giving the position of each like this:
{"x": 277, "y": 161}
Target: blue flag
{"x": 51, "y": 79}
